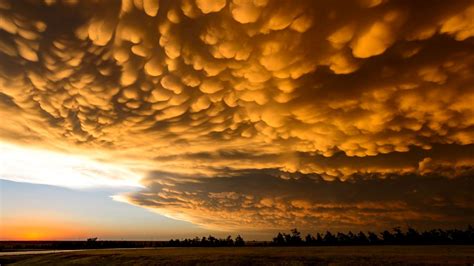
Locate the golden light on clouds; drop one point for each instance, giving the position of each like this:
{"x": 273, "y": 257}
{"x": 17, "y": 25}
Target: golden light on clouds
{"x": 238, "y": 109}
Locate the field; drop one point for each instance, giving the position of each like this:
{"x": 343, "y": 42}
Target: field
{"x": 365, "y": 255}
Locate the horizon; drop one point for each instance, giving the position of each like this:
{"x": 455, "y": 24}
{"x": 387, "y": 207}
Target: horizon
{"x": 307, "y": 237}
{"x": 161, "y": 119}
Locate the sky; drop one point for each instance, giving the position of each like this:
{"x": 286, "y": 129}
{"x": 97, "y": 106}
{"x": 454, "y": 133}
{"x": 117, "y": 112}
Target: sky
{"x": 152, "y": 119}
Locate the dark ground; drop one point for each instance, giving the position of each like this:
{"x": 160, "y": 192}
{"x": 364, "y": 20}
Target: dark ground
{"x": 356, "y": 255}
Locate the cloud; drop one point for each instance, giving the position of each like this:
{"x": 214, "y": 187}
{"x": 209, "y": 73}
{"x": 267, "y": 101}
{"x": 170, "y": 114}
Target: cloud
{"x": 263, "y": 199}
{"x": 212, "y": 88}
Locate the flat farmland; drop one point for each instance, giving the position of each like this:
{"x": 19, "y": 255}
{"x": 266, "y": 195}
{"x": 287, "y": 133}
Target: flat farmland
{"x": 359, "y": 255}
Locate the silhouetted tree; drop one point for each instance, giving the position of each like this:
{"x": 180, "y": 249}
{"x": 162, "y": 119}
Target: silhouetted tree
{"x": 398, "y": 236}
{"x": 470, "y": 233}
{"x": 412, "y": 236}
{"x": 329, "y": 239}
{"x": 229, "y": 241}
{"x": 319, "y": 239}
{"x": 373, "y": 238}
{"x": 239, "y": 241}
{"x": 279, "y": 240}
{"x": 309, "y": 240}
{"x": 388, "y": 237}
{"x": 295, "y": 237}
{"x": 211, "y": 240}
{"x": 362, "y": 238}
{"x": 342, "y": 238}
{"x": 352, "y": 238}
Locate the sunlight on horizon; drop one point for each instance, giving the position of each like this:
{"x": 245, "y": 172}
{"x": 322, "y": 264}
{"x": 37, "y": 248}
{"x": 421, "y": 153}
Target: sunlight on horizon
{"x": 37, "y": 166}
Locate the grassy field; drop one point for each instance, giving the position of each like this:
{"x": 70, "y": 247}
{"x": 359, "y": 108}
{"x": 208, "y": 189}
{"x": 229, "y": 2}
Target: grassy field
{"x": 365, "y": 255}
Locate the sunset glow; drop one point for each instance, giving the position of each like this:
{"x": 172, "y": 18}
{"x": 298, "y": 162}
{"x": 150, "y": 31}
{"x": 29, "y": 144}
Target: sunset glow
{"x": 21, "y": 164}
{"x": 40, "y": 226}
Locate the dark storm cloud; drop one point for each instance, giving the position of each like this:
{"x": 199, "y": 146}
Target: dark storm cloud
{"x": 263, "y": 199}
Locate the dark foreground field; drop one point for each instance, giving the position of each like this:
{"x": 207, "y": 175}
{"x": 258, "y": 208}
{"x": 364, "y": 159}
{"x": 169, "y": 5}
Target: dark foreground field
{"x": 367, "y": 255}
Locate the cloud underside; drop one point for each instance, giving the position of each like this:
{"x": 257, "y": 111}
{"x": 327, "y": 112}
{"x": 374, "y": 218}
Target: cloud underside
{"x": 254, "y": 113}
{"x": 264, "y": 200}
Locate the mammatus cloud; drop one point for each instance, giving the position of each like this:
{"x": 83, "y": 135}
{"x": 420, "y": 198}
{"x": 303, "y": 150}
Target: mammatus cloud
{"x": 335, "y": 94}
{"x": 263, "y": 199}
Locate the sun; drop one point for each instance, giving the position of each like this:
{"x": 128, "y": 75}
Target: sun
{"x": 33, "y": 235}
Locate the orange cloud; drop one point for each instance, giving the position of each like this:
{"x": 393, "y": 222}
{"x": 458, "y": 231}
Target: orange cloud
{"x": 253, "y": 200}
{"x": 198, "y": 88}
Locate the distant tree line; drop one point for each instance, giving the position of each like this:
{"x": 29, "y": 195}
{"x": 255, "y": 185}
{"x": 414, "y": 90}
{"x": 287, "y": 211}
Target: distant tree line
{"x": 209, "y": 241}
{"x": 94, "y": 243}
{"x": 394, "y": 237}
{"x": 294, "y": 238}
{"x": 89, "y": 244}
